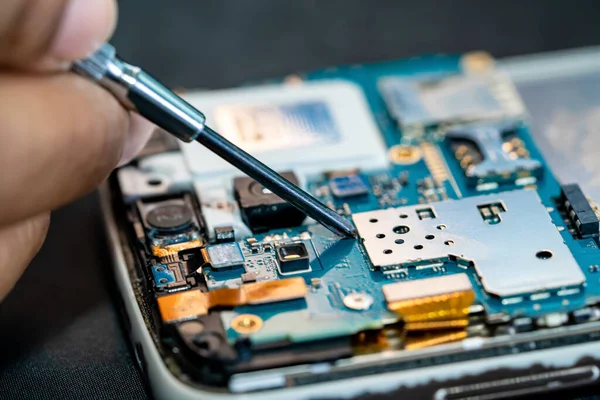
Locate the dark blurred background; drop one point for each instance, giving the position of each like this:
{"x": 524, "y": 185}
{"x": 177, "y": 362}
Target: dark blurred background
{"x": 194, "y": 43}
{"x": 60, "y": 335}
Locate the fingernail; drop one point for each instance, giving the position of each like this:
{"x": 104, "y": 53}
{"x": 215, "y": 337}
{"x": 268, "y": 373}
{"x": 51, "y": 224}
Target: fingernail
{"x": 85, "y": 25}
{"x": 139, "y": 133}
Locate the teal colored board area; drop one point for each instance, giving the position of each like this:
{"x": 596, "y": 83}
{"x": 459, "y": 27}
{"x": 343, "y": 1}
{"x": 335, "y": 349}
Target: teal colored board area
{"x": 162, "y": 276}
{"x": 342, "y": 266}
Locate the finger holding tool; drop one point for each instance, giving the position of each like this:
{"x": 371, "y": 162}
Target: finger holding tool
{"x": 141, "y": 93}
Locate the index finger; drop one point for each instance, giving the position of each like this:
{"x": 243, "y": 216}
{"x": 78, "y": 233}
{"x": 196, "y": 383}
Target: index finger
{"x": 51, "y": 33}
{"x": 61, "y": 136}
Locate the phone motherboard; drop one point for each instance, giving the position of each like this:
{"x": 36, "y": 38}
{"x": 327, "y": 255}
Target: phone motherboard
{"x": 465, "y": 236}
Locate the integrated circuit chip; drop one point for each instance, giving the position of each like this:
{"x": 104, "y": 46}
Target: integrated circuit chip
{"x": 224, "y": 234}
{"x": 223, "y": 256}
{"x": 348, "y": 186}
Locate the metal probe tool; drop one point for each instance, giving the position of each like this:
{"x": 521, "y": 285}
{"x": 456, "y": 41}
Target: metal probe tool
{"x": 141, "y": 93}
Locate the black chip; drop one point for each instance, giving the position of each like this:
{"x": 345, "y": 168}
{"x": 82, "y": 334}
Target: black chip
{"x": 170, "y": 217}
{"x": 261, "y": 209}
{"x": 224, "y": 234}
{"x": 293, "y": 257}
{"x": 579, "y": 210}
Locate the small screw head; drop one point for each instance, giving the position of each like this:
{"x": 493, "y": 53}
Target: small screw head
{"x": 246, "y": 323}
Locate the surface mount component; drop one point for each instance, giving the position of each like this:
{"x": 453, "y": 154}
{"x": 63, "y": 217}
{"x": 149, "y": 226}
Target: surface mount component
{"x": 486, "y": 155}
{"x": 293, "y": 257}
{"x": 262, "y": 210}
{"x": 427, "y": 101}
{"x": 521, "y": 253}
{"x": 223, "y": 256}
{"x": 224, "y": 234}
{"x": 348, "y": 186}
{"x": 579, "y": 210}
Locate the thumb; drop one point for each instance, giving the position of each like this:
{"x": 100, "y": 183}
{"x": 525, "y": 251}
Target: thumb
{"x": 51, "y": 33}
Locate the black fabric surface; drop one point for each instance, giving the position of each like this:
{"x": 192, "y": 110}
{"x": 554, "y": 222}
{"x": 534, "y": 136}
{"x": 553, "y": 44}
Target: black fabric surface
{"x": 60, "y": 335}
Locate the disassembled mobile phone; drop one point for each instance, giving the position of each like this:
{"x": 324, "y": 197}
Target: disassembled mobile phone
{"x": 471, "y": 257}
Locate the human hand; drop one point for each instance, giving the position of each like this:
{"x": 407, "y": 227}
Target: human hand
{"x": 60, "y": 135}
